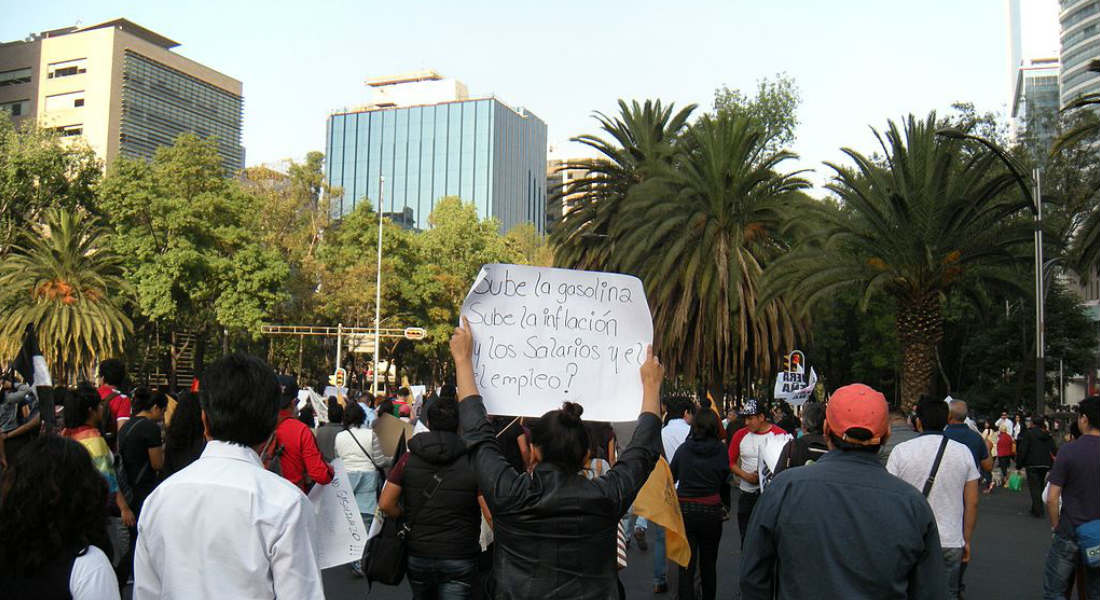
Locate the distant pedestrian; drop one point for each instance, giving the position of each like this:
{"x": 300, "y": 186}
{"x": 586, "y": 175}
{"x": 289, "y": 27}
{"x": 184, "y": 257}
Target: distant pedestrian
{"x": 364, "y": 460}
{"x": 812, "y": 445}
{"x": 112, "y": 376}
{"x": 944, "y": 471}
{"x": 1073, "y": 505}
{"x": 1006, "y": 451}
{"x": 224, "y": 527}
{"x": 1035, "y": 454}
{"x": 901, "y": 430}
{"x": 844, "y": 528}
{"x": 700, "y": 469}
{"x": 744, "y": 457}
{"x": 184, "y": 438}
{"x": 326, "y": 434}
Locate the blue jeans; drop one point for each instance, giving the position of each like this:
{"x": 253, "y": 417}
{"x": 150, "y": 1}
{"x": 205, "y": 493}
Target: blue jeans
{"x": 1062, "y": 561}
{"x": 442, "y": 578}
{"x": 952, "y": 566}
{"x": 660, "y": 561}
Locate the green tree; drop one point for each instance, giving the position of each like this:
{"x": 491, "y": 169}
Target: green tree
{"x": 191, "y": 240}
{"x": 532, "y": 247}
{"x": 699, "y": 234}
{"x": 641, "y": 140}
{"x": 774, "y": 109}
{"x": 39, "y": 171}
{"x": 65, "y": 281}
{"x": 930, "y": 218}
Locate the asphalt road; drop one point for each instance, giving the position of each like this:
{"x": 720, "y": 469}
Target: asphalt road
{"x": 1009, "y": 550}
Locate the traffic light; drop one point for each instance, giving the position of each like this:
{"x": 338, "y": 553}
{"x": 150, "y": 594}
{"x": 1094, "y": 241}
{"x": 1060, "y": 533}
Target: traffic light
{"x": 338, "y": 378}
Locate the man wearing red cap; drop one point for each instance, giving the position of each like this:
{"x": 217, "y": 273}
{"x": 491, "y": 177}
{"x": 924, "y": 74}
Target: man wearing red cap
{"x": 844, "y": 528}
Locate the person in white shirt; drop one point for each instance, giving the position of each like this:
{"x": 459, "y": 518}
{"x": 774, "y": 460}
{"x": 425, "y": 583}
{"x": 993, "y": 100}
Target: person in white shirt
{"x": 224, "y": 527}
{"x": 954, "y": 492}
{"x": 363, "y": 457}
{"x": 744, "y": 454}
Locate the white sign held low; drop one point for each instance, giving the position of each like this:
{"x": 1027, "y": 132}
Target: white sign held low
{"x": 341, "y": 535}
{"x": 543, "y": 336}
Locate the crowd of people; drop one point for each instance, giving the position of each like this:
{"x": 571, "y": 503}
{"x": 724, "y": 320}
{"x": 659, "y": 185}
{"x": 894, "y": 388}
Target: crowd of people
{"x": 204, "y": 494}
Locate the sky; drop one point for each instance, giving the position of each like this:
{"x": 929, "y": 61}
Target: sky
{"x": 856, "y": 62}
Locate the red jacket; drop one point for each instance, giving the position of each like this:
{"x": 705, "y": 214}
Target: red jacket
{"x": 300, "y": 453}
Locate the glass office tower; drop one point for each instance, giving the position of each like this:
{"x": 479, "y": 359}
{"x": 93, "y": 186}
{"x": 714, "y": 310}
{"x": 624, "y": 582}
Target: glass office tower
{"x": 480, "y": 150}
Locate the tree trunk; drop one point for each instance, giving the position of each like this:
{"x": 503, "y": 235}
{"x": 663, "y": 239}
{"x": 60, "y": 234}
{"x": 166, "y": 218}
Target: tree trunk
{"x": 920, "y": 330}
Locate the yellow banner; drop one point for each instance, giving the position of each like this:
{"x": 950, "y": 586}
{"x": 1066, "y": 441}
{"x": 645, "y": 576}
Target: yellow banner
{"x": 657, "y": 502}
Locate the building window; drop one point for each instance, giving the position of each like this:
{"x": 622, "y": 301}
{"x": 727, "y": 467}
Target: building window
{"x": 66, "y": 68}
{"x": 71, "y": 130}
{"x": 17, "y": 108}
{"x": 15, "y": 76}
{"x": 64, "y": 101}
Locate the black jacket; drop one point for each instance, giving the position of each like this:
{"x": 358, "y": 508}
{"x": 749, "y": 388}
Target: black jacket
{"x": 843, "y": 528}
{"x": 448, "y": 524}
{"x": 554, "y": 530}
{"x": 700, "y": 468}
{"x": 1035, "y": 448}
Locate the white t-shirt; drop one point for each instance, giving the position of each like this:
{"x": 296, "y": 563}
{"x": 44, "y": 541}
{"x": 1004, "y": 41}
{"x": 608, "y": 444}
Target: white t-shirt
{"x": 912, "y": 462}
{"x": 746, "y": 447}
{"x": 92, "y": 577}
{"x": 673, "y": 435}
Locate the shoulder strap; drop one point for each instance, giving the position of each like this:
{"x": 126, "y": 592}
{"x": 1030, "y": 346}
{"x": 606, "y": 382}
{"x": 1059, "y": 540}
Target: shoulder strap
{"x": 427, "y": 498}
{"x": 365, "y": 453}
{"x": 935, "y": 467}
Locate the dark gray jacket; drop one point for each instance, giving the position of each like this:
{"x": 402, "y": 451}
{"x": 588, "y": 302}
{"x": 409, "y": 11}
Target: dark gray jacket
{"x": 555, "y": 531}
{"x": 842, "y": 528}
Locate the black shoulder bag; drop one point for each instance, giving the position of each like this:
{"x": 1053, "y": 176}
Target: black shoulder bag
{"x": 387, "y": 553}
{"x": 935, "y": 467}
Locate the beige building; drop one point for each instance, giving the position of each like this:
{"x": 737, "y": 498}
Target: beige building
{"x": 561, "y": 176}
{"x": 120, "y": 87}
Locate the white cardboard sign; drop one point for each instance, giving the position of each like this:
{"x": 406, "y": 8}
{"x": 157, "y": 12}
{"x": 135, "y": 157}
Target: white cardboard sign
{"x": 341, "y": 535}
{"x": 543, "y": 336}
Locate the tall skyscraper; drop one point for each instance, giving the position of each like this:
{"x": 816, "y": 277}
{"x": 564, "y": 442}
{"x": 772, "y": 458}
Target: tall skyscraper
{"x": 1080, "y": 21}
{"x": 1033, "y": 66}
{"x": 120, "y": 87}
{"x": 429, "y": 139}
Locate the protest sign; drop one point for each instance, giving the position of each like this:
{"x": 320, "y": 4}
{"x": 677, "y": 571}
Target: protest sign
{"x": 543, "y": 336}
{"x": 792, "y": 384}
{"x": 389, "y": 430}
{"x": 341, "y": 535}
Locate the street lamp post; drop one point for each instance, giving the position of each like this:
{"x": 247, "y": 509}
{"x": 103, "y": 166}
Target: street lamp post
{"x": 378, "y": 291}
{"x": 1034, "y": 196}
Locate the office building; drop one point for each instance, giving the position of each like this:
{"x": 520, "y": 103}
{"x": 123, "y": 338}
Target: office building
{"x": 1080, "y": 22}
{"x": 429, "y": 139}
{"x": 121, "y": 88}
{"x": 562, "y": 175}
{"x": 1033, "y": 67}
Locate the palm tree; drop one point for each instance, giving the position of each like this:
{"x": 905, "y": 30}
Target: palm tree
{"x": 642, "y": 137}
{"x": 65, "y": 282}
{"x": 928, "y": 217}
{"x": 699, "y": 233}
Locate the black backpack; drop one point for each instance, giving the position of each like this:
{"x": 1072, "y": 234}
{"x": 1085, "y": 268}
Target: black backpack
{"x": 272, "y": 456}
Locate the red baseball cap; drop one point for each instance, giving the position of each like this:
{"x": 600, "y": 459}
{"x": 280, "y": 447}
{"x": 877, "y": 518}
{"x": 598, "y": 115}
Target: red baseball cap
{"x": 857, "y": 406}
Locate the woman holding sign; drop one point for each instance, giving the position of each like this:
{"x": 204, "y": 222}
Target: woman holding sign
{"x": 555, "y": 530}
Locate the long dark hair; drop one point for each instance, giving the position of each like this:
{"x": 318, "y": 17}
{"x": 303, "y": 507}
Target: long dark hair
{"x": 562, "y": 438}
{"x": 186, "y": 428}
{"x": 53, "y": 501}
{"x": 706, "y": 426}
{"x": 79, "y": 404}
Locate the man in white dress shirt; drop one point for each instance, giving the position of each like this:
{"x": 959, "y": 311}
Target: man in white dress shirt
{"x": 224, "y": 527}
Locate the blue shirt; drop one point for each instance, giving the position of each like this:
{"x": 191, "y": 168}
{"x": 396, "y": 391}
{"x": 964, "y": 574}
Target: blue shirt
{"x": 969, "y": 438}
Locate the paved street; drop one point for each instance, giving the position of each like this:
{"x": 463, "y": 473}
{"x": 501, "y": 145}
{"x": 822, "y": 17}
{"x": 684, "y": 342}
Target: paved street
{"x": 1009, "y": 550}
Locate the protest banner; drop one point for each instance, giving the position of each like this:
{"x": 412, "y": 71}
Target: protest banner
{"x": 792, "y": 384}
{"x": 657, "y": 502}
{"x": 389, "y": 430}
{"x": 341, "y": 535}
{"x": 543, "y": 336}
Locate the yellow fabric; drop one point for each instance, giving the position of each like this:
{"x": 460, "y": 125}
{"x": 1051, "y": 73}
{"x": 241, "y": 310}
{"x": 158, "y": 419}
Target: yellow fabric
{"x": 714, "y": 406}
{"x": 657, "y": 502}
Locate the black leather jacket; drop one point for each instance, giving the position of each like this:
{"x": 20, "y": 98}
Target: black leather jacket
{"x": 555, "y": 531}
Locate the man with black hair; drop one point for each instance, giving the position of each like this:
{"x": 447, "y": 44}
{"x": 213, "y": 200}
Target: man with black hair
{"x": 326, "y": 434}
{"x": 901, "y": 430}
{"x": 224, "y": 527}
{"x": 844, "y": 528}
{"x": 953, "y": 496}
{"x": 300, "y": 459}
{"x": 435, "y": 486}
{"x": 1073, "y": 505}
{"x": 112, "y": 376}
{"x": 1035, "y": 454}
{"x": 811, "y": 446}
{"x": 744, "y": 454}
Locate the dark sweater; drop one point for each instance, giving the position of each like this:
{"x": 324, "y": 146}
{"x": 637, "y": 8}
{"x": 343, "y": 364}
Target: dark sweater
{"x": 700, "y": 468}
